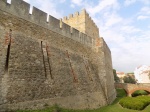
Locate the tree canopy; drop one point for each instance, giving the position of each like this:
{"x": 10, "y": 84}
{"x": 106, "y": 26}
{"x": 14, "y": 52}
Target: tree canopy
{"x": 116, "y": 78}
{"x": 129, "y": 79}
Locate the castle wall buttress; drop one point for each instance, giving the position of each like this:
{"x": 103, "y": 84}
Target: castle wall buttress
{"x": 106, "y": 70}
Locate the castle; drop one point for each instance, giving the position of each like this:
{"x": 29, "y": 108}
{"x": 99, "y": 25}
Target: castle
{"x": 42, "y": 62}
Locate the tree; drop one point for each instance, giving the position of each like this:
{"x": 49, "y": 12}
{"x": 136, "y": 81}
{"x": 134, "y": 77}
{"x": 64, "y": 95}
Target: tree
{"x": 129, "y": 79}
{"x": 116, "y": 78}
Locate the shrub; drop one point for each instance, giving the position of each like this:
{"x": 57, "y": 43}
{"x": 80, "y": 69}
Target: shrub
{"x": 139, "y": 92}
{"x": 136, "y": 103}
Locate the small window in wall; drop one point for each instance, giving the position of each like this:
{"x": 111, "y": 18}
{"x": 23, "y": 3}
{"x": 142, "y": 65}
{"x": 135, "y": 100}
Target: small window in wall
{"x": 31, "y": 9}
{"x": 8, "y": 52}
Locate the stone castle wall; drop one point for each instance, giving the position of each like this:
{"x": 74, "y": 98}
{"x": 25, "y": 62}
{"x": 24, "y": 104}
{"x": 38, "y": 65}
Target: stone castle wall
{"x": 111, "y": 93}
{"x": 91, "y": 29}
{"x": 47, "y": 63}
{"x": 82, "y": 22}
{"x": 77, "y": 21}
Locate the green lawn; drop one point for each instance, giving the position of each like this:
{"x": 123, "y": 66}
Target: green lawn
{"x": 114, "y": 107}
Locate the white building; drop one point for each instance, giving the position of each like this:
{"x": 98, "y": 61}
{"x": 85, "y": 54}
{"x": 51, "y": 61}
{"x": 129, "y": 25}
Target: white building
{"x": 121, "y": 75}
{"x": 142, "y": 74}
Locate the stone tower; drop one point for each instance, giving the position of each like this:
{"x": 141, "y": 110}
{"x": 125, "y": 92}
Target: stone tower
{"x": 83, "y": 22}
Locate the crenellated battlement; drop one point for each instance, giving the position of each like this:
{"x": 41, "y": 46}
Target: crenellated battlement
{"x": 83, "y": 22}
{"x": 76, "y": 14}
{"x": 21, "y": 9}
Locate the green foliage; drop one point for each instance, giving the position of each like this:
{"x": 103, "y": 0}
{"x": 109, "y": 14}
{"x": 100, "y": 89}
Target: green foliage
{"x": 121, "y": 92}
{"x": 129, "y": 79}
{"x": 139, "y": 92}
{"x": 135, "y": 103}
{"x": 131, "y": 73}
{"x": 116, "y": 78}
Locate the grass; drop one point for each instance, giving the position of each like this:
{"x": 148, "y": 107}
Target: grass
{"x": 114, "y": 107}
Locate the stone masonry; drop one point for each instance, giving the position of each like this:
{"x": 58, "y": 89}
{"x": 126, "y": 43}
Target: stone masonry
{"x": 46, "y": 63}
{"x": 82, "y": 22}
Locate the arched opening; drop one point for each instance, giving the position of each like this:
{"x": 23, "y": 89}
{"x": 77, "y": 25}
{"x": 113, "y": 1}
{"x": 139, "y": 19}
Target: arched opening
{"x": 140, "y": 93}
{"x": 121, "y": 92}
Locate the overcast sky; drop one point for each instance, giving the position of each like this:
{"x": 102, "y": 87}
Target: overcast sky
{"x": 124, "y": 24}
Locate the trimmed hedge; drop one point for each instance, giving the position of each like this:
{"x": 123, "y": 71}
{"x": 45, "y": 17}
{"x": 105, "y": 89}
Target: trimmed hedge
{"x": 139, "y": 92}
{"x": 135, "y": 103}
